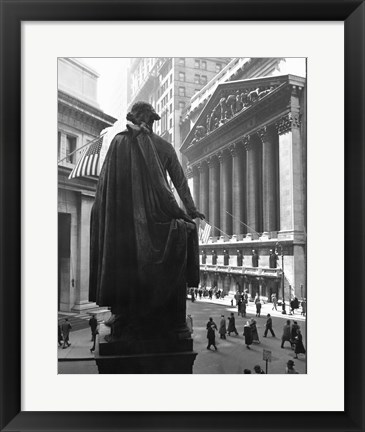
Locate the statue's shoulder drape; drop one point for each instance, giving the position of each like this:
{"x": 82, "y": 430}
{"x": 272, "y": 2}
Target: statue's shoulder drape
{"x": 141, "y": 247}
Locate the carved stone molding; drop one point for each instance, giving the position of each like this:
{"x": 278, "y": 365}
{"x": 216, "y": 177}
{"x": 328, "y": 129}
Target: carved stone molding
{"x": 262, "y": 133}
{"x": 213, "y": 160}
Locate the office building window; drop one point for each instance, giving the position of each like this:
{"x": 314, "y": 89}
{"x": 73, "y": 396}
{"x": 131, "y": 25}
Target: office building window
{"x": 59, "y": 144}
{"x": 203, "y": 79}
{"x": 181, "y": 105}
{"x": 197, "y": 64}
{"x": 204, "y": 65}
{"x": 181, "y": 76}
{"x": 170, "y": 123}
{"x": 70, "y": 148}
{"x": 196, "y": 79}
{"x": 170, "y": 93}
{"x": 181, "y": 91}
{"x": 171, "y": 108}
{"x": 182, "y": 61}
{"x": 218, "y": 67}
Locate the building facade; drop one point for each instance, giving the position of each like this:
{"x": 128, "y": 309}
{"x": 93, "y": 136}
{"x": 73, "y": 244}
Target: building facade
{"x": 80, "y": 120}
{"x": 246, "y": 156}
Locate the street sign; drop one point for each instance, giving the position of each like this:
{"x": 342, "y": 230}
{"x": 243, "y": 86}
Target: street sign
{"x": 266, "y": 355}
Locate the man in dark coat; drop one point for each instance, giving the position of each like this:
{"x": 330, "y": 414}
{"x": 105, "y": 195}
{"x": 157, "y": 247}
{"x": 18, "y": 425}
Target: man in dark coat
{"x": 211, "y": 327}
{"x": 268, "y": 326}
{"x": 143, "y": 246}
{"x": 232, "y": 325}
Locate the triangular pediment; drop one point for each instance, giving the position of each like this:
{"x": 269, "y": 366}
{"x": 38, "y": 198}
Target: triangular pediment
{"x": 229, "y": 100}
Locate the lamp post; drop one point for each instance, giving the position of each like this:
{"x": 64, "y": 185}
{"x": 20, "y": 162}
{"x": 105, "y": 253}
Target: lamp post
{"x": 278, "y": 244}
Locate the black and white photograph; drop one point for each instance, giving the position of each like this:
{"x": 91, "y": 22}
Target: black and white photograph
{"x": 182, "y": 214}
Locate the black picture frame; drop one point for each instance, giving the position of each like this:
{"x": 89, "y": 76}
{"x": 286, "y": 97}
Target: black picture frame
{"x": 352, "y": 13}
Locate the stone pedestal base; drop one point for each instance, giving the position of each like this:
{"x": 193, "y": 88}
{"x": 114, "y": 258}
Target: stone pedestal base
{"x": 164, "y": 363}
{"x": 169, "y": 355}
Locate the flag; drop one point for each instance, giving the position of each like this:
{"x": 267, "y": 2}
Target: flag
{"x": 204, "y": 233}
{"x": 89, "y": 162}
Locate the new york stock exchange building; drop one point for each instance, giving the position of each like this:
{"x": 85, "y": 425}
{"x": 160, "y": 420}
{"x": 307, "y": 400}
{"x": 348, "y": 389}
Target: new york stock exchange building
{"x": 246, "y": 164}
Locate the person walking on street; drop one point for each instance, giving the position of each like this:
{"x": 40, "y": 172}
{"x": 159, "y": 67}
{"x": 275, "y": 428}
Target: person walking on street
{"x": 66, "y": 327}
{"x": 211, "y": 327}
{"x": 59, "y": 335}
{"x": 222, "y": 328}
{"x": 290, "y": 367}
{"x": 255, "y": 335}
{"x": 299, "y": 347}
{"x": 258, "y": 370}
{"x": 93, "y": 323}
{"x": 232, "y": 325}
{"x": 247, "y": 333}
{"x": 269, "y": 326}
{"x": 286, "y": 337}
{"x": 274, "y": 302}
{"x": 293, "y": 332}
{"x": 304, "y": 307}
{"x": 258, "y": 305}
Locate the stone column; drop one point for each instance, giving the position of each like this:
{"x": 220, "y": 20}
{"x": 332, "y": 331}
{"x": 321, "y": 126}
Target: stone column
{"x": 291, "y": 179}
{"x": 82, "y": 280}
{"x": 214, "y": 201}
{"x": 252, "y": 186}
{"x": 226, "y": 192}
{"x": 238, "y": 189}
{"x": 269, "y": 181}
{"x": 204, "y": 189}
{"x": 196, "y": 187}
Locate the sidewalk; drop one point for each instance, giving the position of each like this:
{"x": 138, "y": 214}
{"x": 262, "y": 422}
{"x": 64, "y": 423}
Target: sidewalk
{"x": 80, "y": 346}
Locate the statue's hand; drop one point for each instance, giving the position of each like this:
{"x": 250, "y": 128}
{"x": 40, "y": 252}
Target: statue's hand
{"x": 196, "y": 214}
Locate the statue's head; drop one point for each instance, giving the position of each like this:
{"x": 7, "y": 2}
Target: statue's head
{"x": 142, "y": 112}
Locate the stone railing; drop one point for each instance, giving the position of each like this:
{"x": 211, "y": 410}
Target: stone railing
{"x": 249, "y": 271}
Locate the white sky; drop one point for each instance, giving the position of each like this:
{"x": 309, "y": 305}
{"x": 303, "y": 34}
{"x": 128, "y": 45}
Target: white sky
{"x": 112, "y": 83}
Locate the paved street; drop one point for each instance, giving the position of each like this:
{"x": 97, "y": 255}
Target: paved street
{"x": 232, "y": 355}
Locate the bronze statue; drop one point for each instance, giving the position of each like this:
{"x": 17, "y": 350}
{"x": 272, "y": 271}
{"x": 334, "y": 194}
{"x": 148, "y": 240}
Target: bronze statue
{"x": 143, "y": 246}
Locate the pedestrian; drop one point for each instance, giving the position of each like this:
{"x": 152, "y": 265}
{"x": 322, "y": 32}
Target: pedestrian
{"x": 59, "y": 335}
{"x": 95, "y": 332}
{"x": 239, "y": 305}
{"x": 258, "y": 370}
{"x": 269, "y": 326}
{"x": 232, "y": 325}
{"x": 293, "y": 333}
{"x": 299, "y": 347}
{"x": 274, "y": 302}
{"x": 93, "y": 323}
{"x": 66, "y": 327}
{"x": 211, "y": 327}
{"x": 247, "y": 333}
{"x": 246, "y": 371}
{"x": 255, "y": 335}
{"x": 304, "y": 307}
{"x": 290, "y": 367}
{"x": 189, "y": 323}
{"x": 243, "y": 308}
{"x": 200, "y": 292}
{"x": 286, "y": 337}
{"x": 210, "y": 294}
{"x": 258, "y": 305}
{"x": 192, "y": 295}
{"x": 222, "y": 328}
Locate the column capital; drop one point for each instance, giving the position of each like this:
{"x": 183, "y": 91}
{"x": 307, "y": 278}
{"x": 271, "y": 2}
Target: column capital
{"x": 213, "y": 160}
{"x": 246, "y": 140}
{"x": 287, "y": 122}
{"x": 262, "y": 133}
{"x": 235, "y": 148}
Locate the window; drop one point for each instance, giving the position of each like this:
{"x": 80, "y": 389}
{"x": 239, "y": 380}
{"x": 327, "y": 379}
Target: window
{"x": 70, "y": 148}
{"x": 196, "y": 79}
{"x": 197, "y": 64}
{"x": 181, "y": 91}
{"x": 59, "y": 144}
{"x": 181, "y": 76}
{"x": 203, "y": 79}
{"x": 204, "y": 65}
{"x": 170, "y": 93}
{"x": 170, "y": 108}
{"x": 218, "y": 67}
{"x": 170, "y": 123}
{"x": 182, "y": 61}
{"x": 181, "y": 105}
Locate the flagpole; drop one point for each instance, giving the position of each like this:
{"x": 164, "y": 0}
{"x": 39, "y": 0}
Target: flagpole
{"x": 80, "y": 148}
{"x": 244, "y": 224}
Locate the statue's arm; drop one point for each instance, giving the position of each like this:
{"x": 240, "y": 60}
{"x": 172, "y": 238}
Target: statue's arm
{"x": 178, "y": 178}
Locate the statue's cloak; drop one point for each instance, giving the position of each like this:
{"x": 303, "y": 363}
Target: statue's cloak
{"x": 142, "y": 250}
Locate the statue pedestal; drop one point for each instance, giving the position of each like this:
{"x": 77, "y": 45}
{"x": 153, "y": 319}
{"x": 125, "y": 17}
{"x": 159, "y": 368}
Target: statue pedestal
{"x": 154, "y": 356}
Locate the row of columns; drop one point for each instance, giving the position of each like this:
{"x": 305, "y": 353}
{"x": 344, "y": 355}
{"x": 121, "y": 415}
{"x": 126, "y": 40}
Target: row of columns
{"x": 238, "y": 188}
